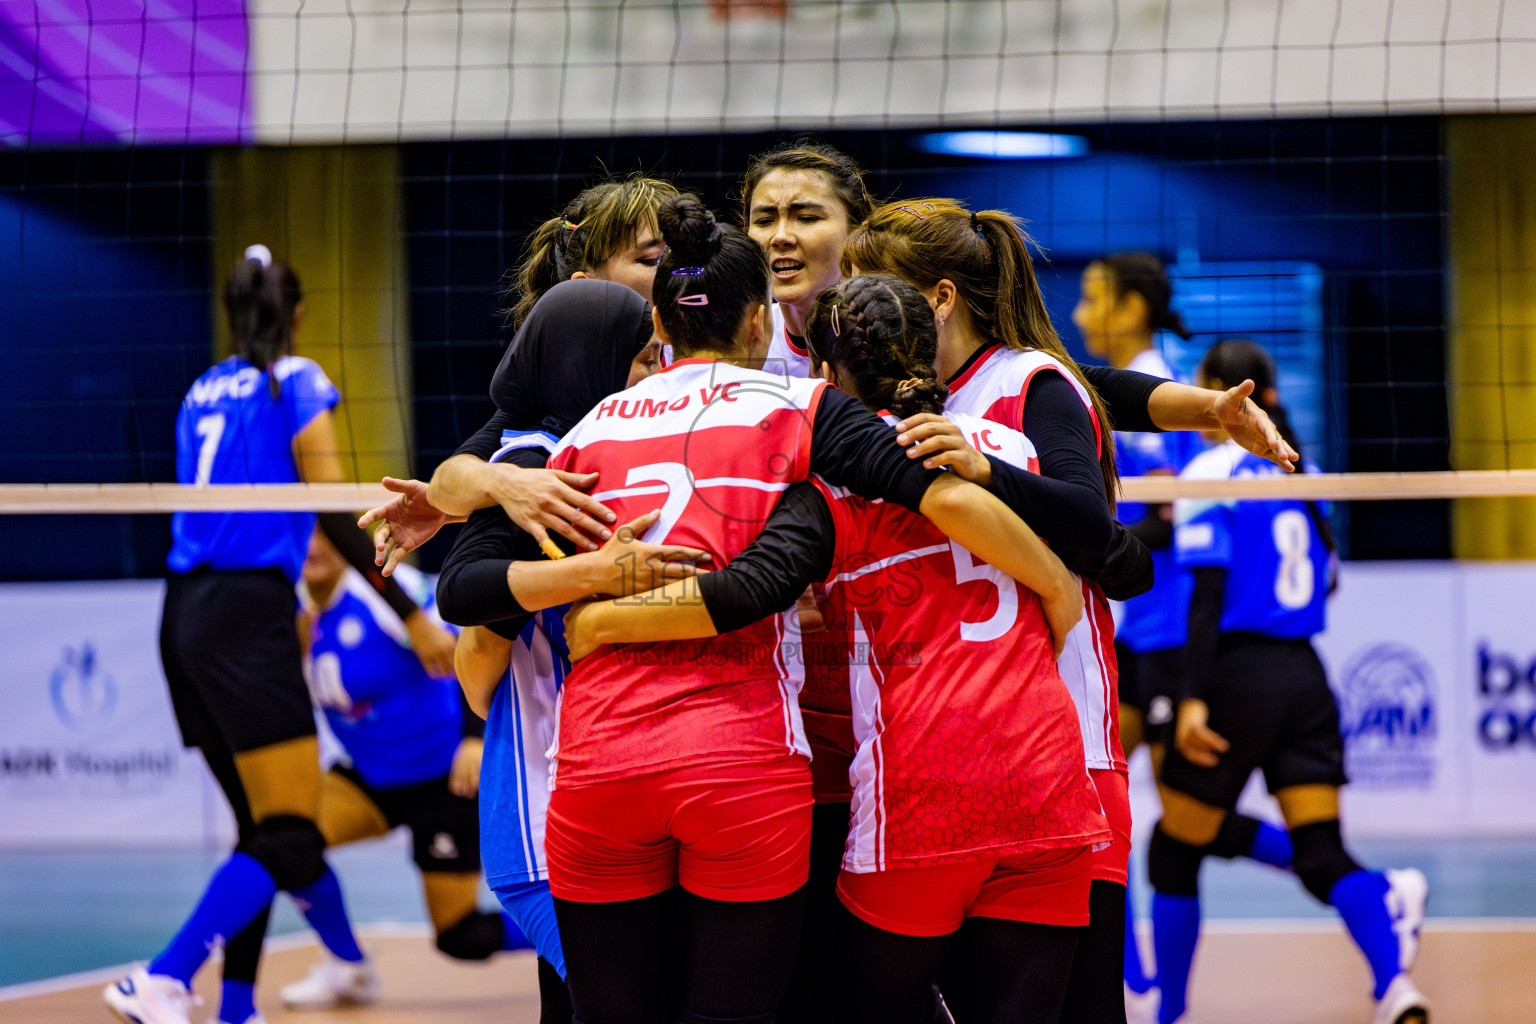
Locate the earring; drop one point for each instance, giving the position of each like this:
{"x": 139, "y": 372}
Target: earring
{"x": 940, "y": 318}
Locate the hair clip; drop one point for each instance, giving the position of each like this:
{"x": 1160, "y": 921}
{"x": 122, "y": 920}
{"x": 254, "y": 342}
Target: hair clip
{"x": 693, "y": 300}
{"x": 837, "y": 331}
{"x": 688, "y": 272}
{"x": 260, "y": 253}
{"x": 913, "y": 212}
{"x": 909, "y": 385}
{"x": 569, "y": 225}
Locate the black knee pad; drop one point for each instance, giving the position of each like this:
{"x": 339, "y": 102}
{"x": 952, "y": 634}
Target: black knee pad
{"x": 1321, "y": 859}
{"x": 477, "y": 937}
{"x": 291, "y": 848}
{"x": 1235, "y": 838}
{"x": 1173, "y": 867}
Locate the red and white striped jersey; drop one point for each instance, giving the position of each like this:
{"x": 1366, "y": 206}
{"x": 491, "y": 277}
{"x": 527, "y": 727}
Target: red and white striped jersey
{"x": 967, "y": 739}
{"x": 714, "y": 446}
{"x": 994, "y": 388}
{"x": 968, "y": 742}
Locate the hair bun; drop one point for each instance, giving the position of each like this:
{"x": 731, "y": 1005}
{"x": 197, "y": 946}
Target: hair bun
{"x": 689, "y": 229}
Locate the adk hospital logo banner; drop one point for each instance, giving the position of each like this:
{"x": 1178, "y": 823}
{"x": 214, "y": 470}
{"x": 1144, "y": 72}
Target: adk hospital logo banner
{"x": 89, "y": 750}
{"x": 1434, "y": 665}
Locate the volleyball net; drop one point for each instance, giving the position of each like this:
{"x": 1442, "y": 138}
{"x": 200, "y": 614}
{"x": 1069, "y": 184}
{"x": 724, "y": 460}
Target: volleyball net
{"x": 1342, "y": 181}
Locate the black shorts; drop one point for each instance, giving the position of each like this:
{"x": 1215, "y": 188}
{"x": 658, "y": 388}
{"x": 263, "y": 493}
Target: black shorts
{"x": 1148, "y": 683}
{"x": 445, "y": 829}
{"x": 1271, "y": 701}
{"x": 230, "y": 647}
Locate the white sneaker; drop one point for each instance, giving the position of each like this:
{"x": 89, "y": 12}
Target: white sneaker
{"x": 144, "y": 998}
{"x": 1141, "y": 1007}
{"x": 1402, "y": 1004}
{"x": 1407, "y": 894}
{"x": 332, "y": 983}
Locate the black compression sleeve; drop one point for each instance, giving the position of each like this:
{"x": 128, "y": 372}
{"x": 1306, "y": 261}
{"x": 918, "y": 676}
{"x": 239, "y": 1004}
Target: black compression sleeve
{"x": 852, "y": 447}
{"x": 1154, "y": 529}
{"x": 1125, "y": 394}
{"x": 357, "y": 548}
{"x": 794, "y": 550}
{"x": 483, "y": 443}
{"x": 1123, "y": 570}
{"x": 474, "y": 725}
{"x": 1064, "y": 503}
{"x": 472, "y": 587}
{"x": 1205, "y": 607}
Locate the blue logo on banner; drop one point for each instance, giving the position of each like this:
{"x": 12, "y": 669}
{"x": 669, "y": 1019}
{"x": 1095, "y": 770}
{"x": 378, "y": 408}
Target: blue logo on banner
{"x": 1506, "y": 686}
{"x": 82, "y": 693}
{"x": 1388, "y": 718}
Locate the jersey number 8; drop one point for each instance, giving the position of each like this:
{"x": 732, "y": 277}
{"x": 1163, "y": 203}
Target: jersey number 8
{"x": 1294, "y": 582}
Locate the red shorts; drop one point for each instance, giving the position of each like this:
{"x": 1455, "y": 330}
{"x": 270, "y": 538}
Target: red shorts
{"x": 1113, "y": 784}
{"x": 1046, "y": 887}
{"x": 737, "y": 832}
{"x": 832, "y": 750}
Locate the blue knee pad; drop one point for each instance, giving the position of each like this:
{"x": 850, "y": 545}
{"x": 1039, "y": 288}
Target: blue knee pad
{"x": 530, "y": 905}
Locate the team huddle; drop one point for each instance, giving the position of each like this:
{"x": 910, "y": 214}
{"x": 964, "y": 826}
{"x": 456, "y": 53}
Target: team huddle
{"x": 784, "y": 593}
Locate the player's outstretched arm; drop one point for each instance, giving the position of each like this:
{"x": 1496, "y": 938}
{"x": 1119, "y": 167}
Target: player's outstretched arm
{"x": 541, "y": 501}
{"x": 1175, "y": 406}
{"x": 986, "y": 528}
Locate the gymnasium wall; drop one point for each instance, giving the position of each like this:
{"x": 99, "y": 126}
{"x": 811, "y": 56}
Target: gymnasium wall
{"x": 1434, "y": 665}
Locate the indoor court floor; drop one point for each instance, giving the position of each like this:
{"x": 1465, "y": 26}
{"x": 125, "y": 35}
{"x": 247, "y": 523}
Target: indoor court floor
{"x": 1268, "y": 955}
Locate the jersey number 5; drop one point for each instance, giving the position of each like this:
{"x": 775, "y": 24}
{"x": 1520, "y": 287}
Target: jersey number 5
{"x": 211, "y": 429}
{"x": 1294, "y": 580}
{"x": 966, "y": 570}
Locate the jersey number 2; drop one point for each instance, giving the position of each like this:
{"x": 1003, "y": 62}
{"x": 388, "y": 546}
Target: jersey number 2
{"x": 1294, "y": 581}
{"x": 966, "y": 570}
{"x": 211, "y": 429}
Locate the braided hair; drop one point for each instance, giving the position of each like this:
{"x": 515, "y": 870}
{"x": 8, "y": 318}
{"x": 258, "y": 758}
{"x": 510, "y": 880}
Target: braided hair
{"x": 985, "y": 255}
{"x": 878, "y": 331}
{"x": 710, "y": 277}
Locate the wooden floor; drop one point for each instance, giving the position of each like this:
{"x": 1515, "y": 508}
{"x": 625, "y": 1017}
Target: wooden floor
{"x": 1246, "y": 973}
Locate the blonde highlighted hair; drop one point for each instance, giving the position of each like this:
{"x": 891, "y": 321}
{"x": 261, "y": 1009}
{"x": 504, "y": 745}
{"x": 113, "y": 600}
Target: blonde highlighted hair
{"x": 591, "y": 229}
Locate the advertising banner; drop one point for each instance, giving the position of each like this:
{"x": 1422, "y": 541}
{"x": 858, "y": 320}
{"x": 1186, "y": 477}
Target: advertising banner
{"x": 89, "y": 750}
{"x": 1433, "y": 663}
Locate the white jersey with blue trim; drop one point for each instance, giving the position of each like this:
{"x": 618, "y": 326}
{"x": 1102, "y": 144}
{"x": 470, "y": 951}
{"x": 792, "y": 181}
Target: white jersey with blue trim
{"x": 519, "y": 731}
{"x": 397, "y": 724}
{"x": 1274, "y": 554}
{"x": 233, "y": 430}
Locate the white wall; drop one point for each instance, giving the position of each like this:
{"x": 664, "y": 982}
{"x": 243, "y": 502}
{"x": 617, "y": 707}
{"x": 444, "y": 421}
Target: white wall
{"x": 357, "y": 70}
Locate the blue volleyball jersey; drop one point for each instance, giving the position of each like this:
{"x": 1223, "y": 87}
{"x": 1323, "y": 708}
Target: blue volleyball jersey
{"x": 514, "y": 770}
{"x": 231, "y": 430}
{"x": 1276, "y": 561}
{"x": 1158, "y": 619}
{"x": 396, "y": 723}
{"x": 519, "y": 731}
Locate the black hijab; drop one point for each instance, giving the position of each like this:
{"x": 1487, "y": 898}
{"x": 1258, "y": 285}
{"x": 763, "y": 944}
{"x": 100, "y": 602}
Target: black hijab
{"x": 574, "y": 349}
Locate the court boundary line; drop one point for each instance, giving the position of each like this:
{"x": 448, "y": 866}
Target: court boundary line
{"x": 276, "y": 944}
{"x": 406, "y": 930}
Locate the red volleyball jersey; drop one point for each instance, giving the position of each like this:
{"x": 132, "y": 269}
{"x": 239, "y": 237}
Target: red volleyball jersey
{"x": 968, "y": 740}
{"x": 713, "y": 446}
{"x": 994, "y": 388}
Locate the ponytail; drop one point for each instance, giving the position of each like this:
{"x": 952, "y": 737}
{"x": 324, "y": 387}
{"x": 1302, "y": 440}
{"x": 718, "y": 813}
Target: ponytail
{"x": 878, "y": 330}
{"x": 986, "y": 255}
{"x": 260, "y": 298}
